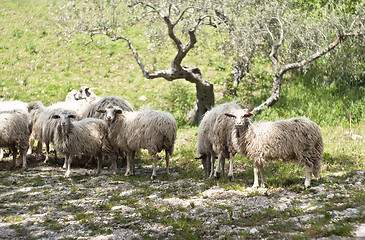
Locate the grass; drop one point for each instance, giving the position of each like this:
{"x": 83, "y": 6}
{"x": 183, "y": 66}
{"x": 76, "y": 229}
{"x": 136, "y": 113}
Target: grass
{"x": 37, "y": 65}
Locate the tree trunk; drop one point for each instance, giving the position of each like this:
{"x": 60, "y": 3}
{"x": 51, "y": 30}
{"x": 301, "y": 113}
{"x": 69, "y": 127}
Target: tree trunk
{"x": 204, "y": 101}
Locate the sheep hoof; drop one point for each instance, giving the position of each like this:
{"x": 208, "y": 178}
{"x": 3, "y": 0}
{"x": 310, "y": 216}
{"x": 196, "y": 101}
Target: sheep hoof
{"x": 24, "y": 168}
{"x": 231, "y": 178}
{"x": 153, "y": 177}
{"x": 217, "y": 175}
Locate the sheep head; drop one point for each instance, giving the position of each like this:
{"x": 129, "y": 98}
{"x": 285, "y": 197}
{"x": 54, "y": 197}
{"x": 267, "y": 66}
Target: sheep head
{"x": 111, "y": 112}
{"x": 241, "y": 116}
{"x": 64, "y": 121}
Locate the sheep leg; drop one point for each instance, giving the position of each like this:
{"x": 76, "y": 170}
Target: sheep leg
{"x": 255, "y": 175}
{"x": 68, "y": 166}
{"x": 130, "y": 161}
{"x": 14, "y": 150}
{"x": 133, "y": 154}
{"x": 154, "y": 174}
{"x": 65, "y": 163}
{"x": 23, "y": 157}
{"x": 223, "y": 161}
{"x": 167, "y": 160}
{"x": 114, "y": 164}
{"x": 47, "y": 153}
{"x": 230, "y": 173}
{"x": 1, "y": 153}
{"x": 98, "y": 170}
{"x": 212, "y": 160}
{"x": 31, "y": 144}
{"x": 308, "y": 176}
{"x": 217, "y": 172}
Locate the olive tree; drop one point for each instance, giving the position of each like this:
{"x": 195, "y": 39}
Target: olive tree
{"x": 179, "y": 20}
{"x": 290, "y": 36}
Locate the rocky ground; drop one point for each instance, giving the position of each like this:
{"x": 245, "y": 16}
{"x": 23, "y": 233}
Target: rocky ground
{"x": 41, "y": 204}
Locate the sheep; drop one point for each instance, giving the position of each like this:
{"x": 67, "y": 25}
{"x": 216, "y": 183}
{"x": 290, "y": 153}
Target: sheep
{"x": 35, "y": 109}
{"x": 93, "y": 109}
{"x": 87, "y": 136}
{"x": 48, "y": 127}
{"x": 43, "y": 124}
{"x": 93, "y": 112}
{"x": 297, "y": 139}
{"x": 87, "y": 94}
{"x": 222, "y": 140}
{"x": 151, "y": 130}
{"x": 71, "y": 96}
{"x": 205, "y": 149}
{"x": 12, "y": 105}
{"x": 15, "y": 128}
{"x": 79, "y": 106}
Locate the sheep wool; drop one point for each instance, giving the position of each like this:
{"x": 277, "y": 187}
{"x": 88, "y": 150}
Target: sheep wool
{"x": 15, "y": 129}
{"x": 298, "y": 139}
{"x": 87, "y": 136}
{"x": 151, "y": 130}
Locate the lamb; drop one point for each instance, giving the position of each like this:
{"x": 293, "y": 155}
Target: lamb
{"x": 205, "y": 149}
{"x": 15, "y": 128}
{"x": 87, "y": 136}
{"x": 151, "y": 130}
{"x": 297, "y": 139}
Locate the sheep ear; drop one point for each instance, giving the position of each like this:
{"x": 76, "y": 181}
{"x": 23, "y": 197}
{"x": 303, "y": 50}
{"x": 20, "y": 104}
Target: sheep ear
{"x": 87, "y": 89}
{"x": 118, "y": 111}
{"x": 101, "y": 111}
{"x": 56, "y": 116}
{"x": 249, "y": 115}
{"x": 71, "y": 116}
{"x": 229, "y": 115}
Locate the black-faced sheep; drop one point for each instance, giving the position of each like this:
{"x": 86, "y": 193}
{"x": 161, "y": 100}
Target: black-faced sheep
{"x": 132, "y": 131}
{"x": 87, "y": 136}
{"x": 15, "y": 129}
{"x": 296, "y": 139}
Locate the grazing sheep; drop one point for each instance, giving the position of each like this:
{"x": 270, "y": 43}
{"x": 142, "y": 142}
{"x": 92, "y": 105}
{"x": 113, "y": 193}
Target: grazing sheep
{"x": 294, "y": 139}
{"x": 15, "y": 128}
{"x": 205, "y": 149}
{"x": 151, "y": 130}
{"x": 87, "y": 136}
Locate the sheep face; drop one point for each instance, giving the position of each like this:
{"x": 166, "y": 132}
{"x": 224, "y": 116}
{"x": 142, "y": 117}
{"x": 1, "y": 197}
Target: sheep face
{"x": 83, "y": 93}
{"x": 64, "y": 121}
{"x": 241, "y": 116}
{"x": 111, "y": 113}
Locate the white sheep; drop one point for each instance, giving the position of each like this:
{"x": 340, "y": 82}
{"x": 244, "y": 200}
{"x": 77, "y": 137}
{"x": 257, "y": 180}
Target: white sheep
{"x": 79, "y": 106}
{"x": 87, "y": 94}
{"x": 222, "y": 140}
{"x": 87, "y": 136}
{"x": 93, "y": 112}
{"x": 296, "y": 139}
{"x": 132, "y": 131}
{"x": 205, "y": 149}
{"x": 9, "y": 105}
{"x": 15, "y": 129}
